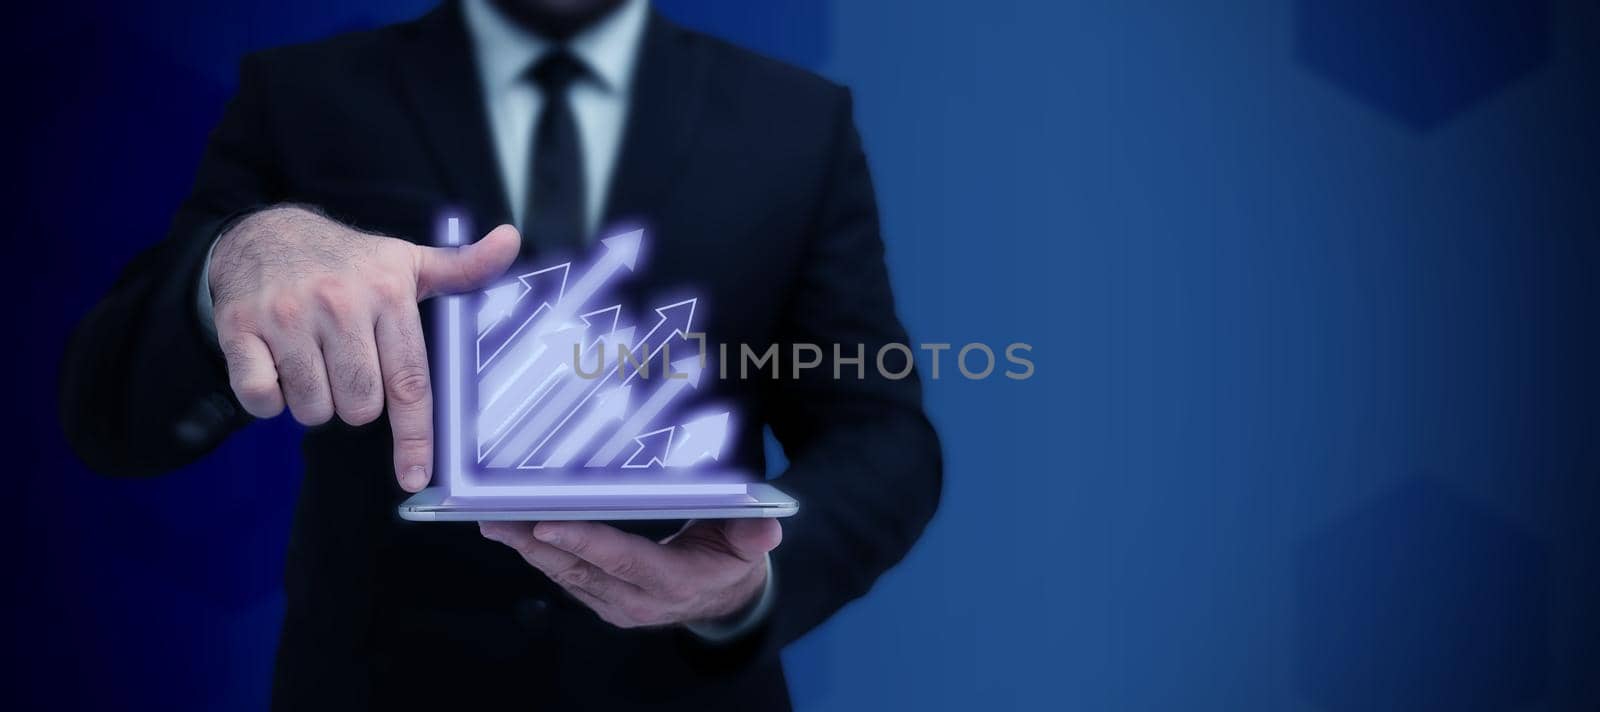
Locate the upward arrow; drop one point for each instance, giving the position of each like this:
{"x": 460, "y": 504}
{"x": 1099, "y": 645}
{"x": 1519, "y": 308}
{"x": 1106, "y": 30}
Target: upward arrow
{"x": 603, "y": 321}
{"x": 699, "y": 439}
{"x": 535, "y": 293}
{"x": 672, "y": 318}
{"x": 500, "y": 404}
{"x": 621, "y": 252}
{"x": 646, "y": 413}
{"x": 652, "y": 447}
{"x": 497, "y": 303}
{"x": 526, "y": 438}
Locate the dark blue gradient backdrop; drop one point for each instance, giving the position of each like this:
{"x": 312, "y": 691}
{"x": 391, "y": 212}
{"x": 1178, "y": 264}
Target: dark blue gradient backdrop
{"x": 1312, "y": 290}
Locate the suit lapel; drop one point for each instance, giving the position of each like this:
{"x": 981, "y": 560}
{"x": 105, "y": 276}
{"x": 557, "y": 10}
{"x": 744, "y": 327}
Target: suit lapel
{"x": 439, "y": 79}
{"x": 663, "y": 113}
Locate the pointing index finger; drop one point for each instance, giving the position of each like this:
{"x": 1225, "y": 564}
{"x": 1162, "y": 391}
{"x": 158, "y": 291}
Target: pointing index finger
{"x": 408, "y": 393}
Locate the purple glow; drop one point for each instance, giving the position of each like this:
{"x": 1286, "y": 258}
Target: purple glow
{"x": 699, "y": 439}
{"x": 636, "y": 422}
{"x": 611, "y": 406}
{"x": 652, "y": 448}
{"x": 517, "y": 419}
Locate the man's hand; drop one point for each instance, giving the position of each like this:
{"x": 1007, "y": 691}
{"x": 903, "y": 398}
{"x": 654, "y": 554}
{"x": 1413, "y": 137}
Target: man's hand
{"x": 709, "y": 570}
{"x": 324, "y": 318}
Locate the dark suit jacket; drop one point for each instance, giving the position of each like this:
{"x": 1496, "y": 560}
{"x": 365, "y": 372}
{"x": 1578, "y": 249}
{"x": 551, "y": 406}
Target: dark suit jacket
{"x": 751, "y": 180}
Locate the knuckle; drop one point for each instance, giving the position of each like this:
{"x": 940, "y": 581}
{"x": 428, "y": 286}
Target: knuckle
{"x": 295, "y": 370}
{"x": 255, "y": 390}
{"x": 233, "y": 317}
{"x": 303, "y": 387}
{"x": 332, "y": 298}
{"x": 411, "y": 443}
{"x": 361, "y": 414}
{"x": 356, "y": 378}
{"x": 299, "y": 376}
{"x": 286, "y": 312}
{"x": 408, "y": 385}
{"x": 361, "y": 383}
{"x": 576, "y": 576}
{"x": 236, "y": 350}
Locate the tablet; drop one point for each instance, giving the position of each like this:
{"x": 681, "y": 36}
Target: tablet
{"x": 755, "y": 500}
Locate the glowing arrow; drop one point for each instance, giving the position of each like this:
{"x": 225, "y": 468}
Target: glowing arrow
{"x": 608, "y": 407}
{"x": 600, "y": 322}
{"x": 523, "y": 347}
{"x": 525, "y": 439}
{"x": 621, "y": 252}
{"x": 697, "y": 440}
{"x": 639, "y": 419}
{"x": 652, "y": 446}
{"x": 670, "y": 345}
{"x": 499, "y": 408}
{"x": 527, "y": 436}
{"x": 538, "y": 290}
{"x": 497, "y": 304}
{"x": 617, "y": 340}
{"x": 673, "y": 318}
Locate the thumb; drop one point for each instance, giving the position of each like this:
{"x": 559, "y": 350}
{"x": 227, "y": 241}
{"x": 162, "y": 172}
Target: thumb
{"x": 752, "y": 538}
{"x": 451, "y": 270}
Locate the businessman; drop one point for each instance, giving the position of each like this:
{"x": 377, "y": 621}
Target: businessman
{"x": 291, "y": 280}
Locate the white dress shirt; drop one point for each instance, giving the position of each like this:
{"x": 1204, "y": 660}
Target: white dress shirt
{"x": 505, "y": 53}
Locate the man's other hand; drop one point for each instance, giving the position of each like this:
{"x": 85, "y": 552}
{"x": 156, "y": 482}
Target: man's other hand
{"x": 323, "y": 318}
{"x": 709, "y": 570}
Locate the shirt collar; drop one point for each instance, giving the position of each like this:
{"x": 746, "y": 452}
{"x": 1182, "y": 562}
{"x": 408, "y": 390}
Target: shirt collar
{"x": 505, "y": 50}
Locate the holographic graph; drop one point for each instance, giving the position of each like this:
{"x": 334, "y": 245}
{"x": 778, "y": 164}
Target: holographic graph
{"x": 548, "y": 384}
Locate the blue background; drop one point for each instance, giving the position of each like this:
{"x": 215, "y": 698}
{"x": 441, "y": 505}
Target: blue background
{"x": 1312, "y": 289}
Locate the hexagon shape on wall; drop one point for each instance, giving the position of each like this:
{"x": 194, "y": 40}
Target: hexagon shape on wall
{"x": 1421, "y": 600}
{"x": 1421, "y": 61}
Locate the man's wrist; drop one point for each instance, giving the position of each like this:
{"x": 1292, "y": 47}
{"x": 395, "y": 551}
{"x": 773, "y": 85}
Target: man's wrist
{"x": 743, "y": 621}
{"x": 205, "y": 307}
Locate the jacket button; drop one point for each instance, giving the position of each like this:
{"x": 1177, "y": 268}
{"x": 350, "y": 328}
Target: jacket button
{"x": 533, "y": 613}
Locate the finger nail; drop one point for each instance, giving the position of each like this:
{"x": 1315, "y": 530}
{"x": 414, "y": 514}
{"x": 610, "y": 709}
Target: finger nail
{"x": 415, "y": 478}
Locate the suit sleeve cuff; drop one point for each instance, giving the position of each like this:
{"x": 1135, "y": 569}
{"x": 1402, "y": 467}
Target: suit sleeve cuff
{"x": 726, "y": 631}
{"x": 203, "y": 306}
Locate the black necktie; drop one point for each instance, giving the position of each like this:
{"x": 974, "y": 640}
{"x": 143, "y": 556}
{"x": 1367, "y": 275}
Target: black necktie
{"x": 554, "y": 206}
